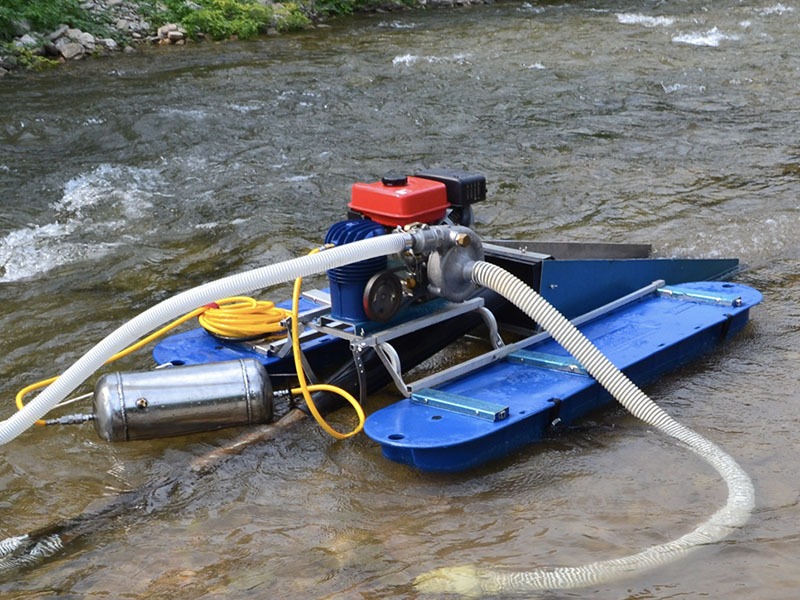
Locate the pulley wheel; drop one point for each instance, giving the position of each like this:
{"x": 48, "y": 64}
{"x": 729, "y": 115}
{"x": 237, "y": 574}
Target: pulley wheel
{"x": 383, "y": 296}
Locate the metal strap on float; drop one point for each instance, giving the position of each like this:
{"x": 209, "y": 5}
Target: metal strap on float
{"x": 501, "y": 353}
{"x": 472, "y": 407}
{"x": 547, "y": 361}
{"x": 682, "y": 293}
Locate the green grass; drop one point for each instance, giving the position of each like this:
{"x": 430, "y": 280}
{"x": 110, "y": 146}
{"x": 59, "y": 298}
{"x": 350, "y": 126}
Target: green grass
{"x": 45, "y": 16}
{"x": 290, "y": 17}
{"x": 222, "y": 19}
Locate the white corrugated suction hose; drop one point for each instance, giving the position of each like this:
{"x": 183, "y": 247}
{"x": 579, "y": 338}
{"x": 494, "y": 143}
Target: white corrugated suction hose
{"x": 476, "y": 582}
{"x": 182, "y": 303}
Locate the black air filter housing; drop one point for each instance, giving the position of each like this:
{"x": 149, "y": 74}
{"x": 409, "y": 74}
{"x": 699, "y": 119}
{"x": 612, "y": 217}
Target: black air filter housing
{"x": 463, "y": 188}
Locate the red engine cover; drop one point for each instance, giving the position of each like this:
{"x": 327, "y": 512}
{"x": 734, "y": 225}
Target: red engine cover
{"x": 418, "y": 200}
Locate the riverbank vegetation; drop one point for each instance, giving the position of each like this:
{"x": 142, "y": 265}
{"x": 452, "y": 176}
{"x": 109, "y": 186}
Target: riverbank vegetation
{"x": 35, "y": 33}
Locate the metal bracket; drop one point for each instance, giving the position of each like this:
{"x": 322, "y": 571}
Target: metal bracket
{"x": 547, "y": 361}
{"x": 679, "y": 293}
{"x": 449, "y": 311}
{"x": 491, "y": 325}
{"x": 281, "y": 348}
{"x": 312, "y": 377}
{"x": 553, "y": 414}
{"x": 391, "y": 360}
{"x": 358, "y": 350}
{"x": 320, "y": 297}
{"x": 488, "y": 411}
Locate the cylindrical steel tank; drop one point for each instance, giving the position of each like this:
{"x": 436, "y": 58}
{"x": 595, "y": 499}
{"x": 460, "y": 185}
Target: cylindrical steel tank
{"x": 181, "y": 399}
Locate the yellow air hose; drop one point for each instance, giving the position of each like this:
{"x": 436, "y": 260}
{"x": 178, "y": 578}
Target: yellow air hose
{"x": 132, "y": 348}
{"x": 306, "y": 389}
{"x": 242, "y": 317}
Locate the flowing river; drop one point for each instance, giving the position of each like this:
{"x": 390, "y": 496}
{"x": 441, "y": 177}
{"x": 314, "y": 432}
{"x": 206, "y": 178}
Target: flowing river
{"x": 125, "y": 180}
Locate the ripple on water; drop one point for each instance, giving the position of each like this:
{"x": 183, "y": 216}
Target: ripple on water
{"x": 710, "y": 38}
{"x": 646, "y": 20}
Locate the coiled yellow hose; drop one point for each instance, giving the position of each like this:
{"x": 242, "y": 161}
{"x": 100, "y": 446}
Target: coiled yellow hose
{"x": 242, "y": 316}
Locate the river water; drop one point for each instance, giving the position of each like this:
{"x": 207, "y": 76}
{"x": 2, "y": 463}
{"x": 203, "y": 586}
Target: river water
{"x": 125, "y": 180}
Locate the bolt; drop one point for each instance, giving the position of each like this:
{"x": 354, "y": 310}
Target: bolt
{"x": 463, "y": 240}
{"x": 141, "y": 403}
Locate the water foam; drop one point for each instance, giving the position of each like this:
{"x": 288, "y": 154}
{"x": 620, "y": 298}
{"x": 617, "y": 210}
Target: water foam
{"x": 91, "y": 210}
{"x": 778, "y": 9}
{"x": 192, "y": 114}
{"x": 677, "y": 87}
{"x": 639, "y": 19}
{"x": 711, "y": 38}
{"x": 405, "y": 59}
{"x": 245, "y": 108}
{"x": 397, "y": 25}
{"x": 528, "y": 7}
{"x": 126, "y": 189}
{"x": 410, "y": 59}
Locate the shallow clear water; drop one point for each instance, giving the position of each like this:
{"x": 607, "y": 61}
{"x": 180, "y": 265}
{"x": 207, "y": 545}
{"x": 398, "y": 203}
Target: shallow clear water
{"x": 123, "y": 181}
